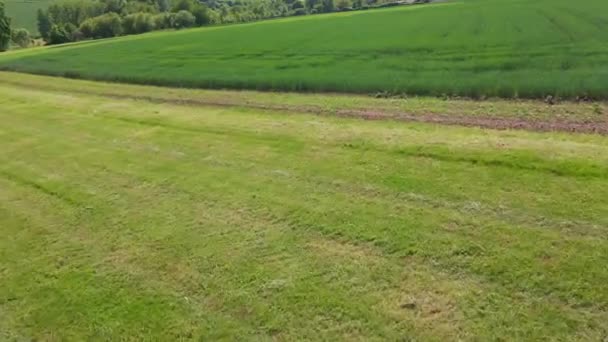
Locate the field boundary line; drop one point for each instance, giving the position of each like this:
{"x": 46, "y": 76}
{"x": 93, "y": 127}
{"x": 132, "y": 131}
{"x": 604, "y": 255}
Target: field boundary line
{"x": 371, "y": 114}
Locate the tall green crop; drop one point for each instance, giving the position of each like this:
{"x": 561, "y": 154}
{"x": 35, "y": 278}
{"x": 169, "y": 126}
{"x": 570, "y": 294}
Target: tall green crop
{"x": 473, "y": 48}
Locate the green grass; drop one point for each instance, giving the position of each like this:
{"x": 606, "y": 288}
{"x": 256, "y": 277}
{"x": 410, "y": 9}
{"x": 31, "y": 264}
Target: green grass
{"x": 147, "y": 219}
{"x": 504, "y": 48}
{"x": 23, "y": 13}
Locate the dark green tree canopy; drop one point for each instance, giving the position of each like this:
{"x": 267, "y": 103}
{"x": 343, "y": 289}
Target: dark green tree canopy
{"x": 71, "y": 20}
{"x": 21, "y": 37}
{"x": 5, "y": 29}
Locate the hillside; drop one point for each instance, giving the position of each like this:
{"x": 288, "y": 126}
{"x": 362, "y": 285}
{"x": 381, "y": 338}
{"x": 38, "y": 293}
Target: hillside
{"x": 503, "y": 48}
{"x": 425, "y": 172}
{"x": 132, "y": 213}
{"x": 23, "y": 13}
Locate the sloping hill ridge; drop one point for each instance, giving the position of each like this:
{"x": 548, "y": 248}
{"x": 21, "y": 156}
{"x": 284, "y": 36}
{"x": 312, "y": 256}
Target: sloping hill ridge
{"x": 476, "y": 48}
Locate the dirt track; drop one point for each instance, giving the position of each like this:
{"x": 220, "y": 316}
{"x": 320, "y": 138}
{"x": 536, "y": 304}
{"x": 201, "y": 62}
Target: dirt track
{"x": 500, "y": 122}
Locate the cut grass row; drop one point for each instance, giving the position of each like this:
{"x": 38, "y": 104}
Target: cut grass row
{"x": 128, "y": 218}
{"x": 475, "y": 48}
{"x": 491, "y": 113}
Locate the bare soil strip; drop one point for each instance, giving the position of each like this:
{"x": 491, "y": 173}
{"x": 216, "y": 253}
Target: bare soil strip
{"x": 597, "y": 125}
{"x": 492, "y": 122}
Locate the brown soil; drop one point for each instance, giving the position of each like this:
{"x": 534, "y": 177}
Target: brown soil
{"x": 501, "y": 123}
{"x": 492, "y": 122}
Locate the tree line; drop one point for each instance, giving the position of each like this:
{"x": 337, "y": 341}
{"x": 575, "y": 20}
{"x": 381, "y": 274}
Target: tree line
{"x": 74, "y": 20}
{"x": 5, "y": 29}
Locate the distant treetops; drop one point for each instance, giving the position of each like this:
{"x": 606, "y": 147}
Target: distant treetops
{"x": 73, "y": 20}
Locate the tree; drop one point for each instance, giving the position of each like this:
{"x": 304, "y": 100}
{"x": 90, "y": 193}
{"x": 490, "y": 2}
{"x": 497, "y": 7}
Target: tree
{"x": 163, "y": 21}
{"x": 201, "y": 12}
{"x": 297, "y": 5}
{"x": 58, "y": 35}
{"x": 310, "y": 4}
{"x": 184, "y": 5}
{"x": 139, "y": 6}
{"x": 109, "y": 25}
{"x": 163, "y": 5}
{"x": 202, "y": 15}
{"x": 184, "y": 19}
{"x": 116, "y": 6}
{"x": 103, "y": 26}
{"x": 21, "y": 37}
{"x": 328, "y": 6}
{"x": 74, "y": 11}
{"x": 138, "y": 23}
{"x": 69, "y": 30}
{"x": 5, "y": 29}
{"x": 300, "y": 11}
{"x": 342, "y": 5}
{"x": 44, "y": 24}
{"x": 60, "y": 21}
{"x": 128, "y": 24}
{"x": 87, "y": 28}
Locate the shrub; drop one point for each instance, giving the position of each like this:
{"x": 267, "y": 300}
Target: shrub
{"x": 104, "y": 26}
{"x": 139, "y": 6}
{"x": 311, "y": 4}
{"x": 74, "y": 11}
{"x": 298, "y": 4}
{"x": 36, "y": 42}
{"x": 77, "y": 35}
{"x": 184, "y": 5}
{"x": 138, "y": 23}
{"x": 87, "y": 28}
{"x": 109, "y": 25}
{"x": 58, "y": 35}
{"x": 202, "y": 15}
{"x": 183, "y": 19}
{"x": 116, "y": 6}
{"x": 342, "y": 5}
{"x": 299, "y": 11}
{"x": 21, "y": 37}
{"x": 214, "y": 16}
{"x": 163, "y": 5}
{"x": 163, "y": 21}
{"x": 70, "y": 29}
{"x": 68, "y": 15}
{"x": 328, "y": 6}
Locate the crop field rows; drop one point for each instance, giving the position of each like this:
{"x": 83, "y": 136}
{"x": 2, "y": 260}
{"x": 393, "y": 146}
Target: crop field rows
{"x": 160, "y": 217}
{"x": 458, "y": 48}
{"x": 419, "y": 173}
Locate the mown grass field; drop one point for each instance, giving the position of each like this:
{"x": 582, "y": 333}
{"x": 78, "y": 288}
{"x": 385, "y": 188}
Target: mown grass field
{"x": 505, "y": 48}
{"x": 23, "y": 13}
{"x": 163, "y": 218}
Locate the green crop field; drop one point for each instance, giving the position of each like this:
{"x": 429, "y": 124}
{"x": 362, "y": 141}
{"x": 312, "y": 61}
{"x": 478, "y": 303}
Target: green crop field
{"x": 505, "y": 48}
{"x": 23, "y": 13}
{"x": 143, "y": 213}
